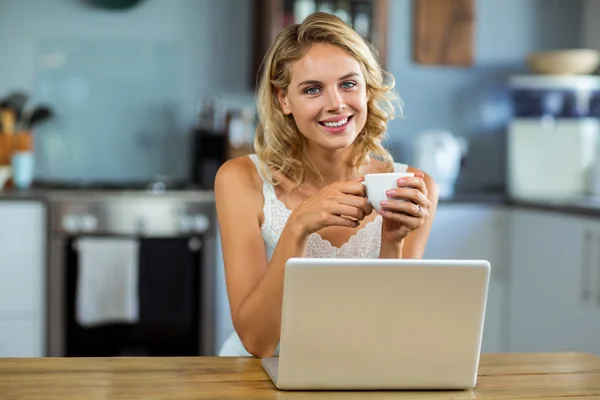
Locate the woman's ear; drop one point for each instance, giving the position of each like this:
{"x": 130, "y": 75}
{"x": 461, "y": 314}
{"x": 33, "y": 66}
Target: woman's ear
{"x": 283, "y": 102}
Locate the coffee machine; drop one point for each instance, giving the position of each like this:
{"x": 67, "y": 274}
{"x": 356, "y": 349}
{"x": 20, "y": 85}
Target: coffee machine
{"x": 219, "y": 136}
{"x": 553, "y": 135}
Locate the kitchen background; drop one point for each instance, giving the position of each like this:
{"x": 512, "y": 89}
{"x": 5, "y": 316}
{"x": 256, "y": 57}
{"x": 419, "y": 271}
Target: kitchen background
{"x": 129, "y": 92}
{"x": 95, "y": 65}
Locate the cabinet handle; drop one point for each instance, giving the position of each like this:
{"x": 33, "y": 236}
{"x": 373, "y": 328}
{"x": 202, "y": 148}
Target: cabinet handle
{"x": 585, "y": 275}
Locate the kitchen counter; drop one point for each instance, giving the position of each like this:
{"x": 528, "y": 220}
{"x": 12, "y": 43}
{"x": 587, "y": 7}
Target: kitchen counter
{"x": 13, "y": 194}
{"x": 61, "y": 194}
{"x": 501, "y": 376}
{"x": 586, "y": 206}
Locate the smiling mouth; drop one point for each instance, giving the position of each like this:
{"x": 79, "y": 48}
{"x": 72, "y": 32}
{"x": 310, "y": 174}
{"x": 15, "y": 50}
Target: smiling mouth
{"x": 337, "y": 125}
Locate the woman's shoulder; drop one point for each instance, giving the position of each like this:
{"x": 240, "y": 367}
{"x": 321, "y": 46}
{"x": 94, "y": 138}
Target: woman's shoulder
{"x": 240, "y": 174}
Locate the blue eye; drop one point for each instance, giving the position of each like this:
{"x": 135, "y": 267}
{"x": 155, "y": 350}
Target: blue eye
{"x": 348, "y": 85}
{"x": 311, "y": 90}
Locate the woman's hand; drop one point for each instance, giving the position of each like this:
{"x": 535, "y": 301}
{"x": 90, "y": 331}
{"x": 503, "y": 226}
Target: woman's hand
{"x": 407, "y": 209}
{"x": 338, "y": 204}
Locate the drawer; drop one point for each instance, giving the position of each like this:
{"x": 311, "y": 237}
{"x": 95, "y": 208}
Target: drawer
{"x": 22, "y": 276}
{"x": 21, "y": 338}
{"x": 22, "y": 225}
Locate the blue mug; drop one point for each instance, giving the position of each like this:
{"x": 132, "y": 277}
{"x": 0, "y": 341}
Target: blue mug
{"x": 23, "y": 165}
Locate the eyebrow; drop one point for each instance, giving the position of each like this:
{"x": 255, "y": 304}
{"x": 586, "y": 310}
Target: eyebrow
{"x": 350, "y": 75}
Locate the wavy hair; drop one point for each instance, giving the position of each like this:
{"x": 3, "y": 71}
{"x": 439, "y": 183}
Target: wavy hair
{"x": 278, "y": 143}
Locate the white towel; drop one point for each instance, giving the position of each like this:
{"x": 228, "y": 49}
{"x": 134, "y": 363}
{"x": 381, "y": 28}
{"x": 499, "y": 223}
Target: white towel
{"x": 107, "y": 284}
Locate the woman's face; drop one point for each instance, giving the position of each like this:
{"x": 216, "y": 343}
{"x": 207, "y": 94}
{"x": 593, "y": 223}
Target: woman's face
{"x": 327, "y": 97}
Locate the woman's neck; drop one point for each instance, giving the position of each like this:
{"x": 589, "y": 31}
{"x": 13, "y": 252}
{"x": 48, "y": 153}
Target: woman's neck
{"x": 334, "y": 166}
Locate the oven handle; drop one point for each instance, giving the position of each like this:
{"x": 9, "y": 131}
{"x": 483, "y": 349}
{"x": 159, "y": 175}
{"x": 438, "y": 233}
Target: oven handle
{"x": 194, "y": 242}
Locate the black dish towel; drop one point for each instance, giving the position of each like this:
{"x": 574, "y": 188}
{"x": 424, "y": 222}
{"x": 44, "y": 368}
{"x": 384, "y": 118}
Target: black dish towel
{"x": 168, "y": 282}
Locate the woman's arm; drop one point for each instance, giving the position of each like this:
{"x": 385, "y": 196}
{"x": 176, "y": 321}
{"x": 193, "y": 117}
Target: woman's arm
{"x": 254, "y": 285}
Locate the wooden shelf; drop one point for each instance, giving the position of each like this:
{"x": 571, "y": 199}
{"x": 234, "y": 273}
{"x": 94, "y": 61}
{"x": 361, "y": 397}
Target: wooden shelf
{"x": 271, "y": 16}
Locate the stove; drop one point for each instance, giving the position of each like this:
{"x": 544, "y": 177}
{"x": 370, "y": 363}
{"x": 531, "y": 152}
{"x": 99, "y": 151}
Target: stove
{"x": 145, "y": 211}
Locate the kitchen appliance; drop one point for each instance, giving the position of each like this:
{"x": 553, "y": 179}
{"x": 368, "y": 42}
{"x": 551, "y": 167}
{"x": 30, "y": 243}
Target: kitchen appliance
{"x": 222, "y": 132}
{"x": 212, "y": 147}
{"x": 553, "y": 135}
{"x": 178, "y": 219}
{"x": 209, "y": 152}
{"x": 439, "y": 153}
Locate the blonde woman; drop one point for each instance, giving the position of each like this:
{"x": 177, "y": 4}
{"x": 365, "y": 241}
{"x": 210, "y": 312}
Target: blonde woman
{"x": 323, "y": 108}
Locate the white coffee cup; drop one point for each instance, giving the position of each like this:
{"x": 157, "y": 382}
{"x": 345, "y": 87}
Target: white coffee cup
{"x": 377, "y": 184}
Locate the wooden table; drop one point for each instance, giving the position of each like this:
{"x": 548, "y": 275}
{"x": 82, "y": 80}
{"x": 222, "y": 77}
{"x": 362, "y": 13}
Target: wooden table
{"x": 501, "y": 376}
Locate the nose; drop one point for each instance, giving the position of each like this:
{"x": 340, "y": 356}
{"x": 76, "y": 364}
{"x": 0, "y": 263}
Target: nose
{"x": 335, "y": 101}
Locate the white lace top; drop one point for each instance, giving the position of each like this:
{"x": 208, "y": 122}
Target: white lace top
{"x": 365, "y": 243}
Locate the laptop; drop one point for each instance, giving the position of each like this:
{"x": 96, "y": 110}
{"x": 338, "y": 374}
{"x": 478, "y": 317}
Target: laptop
{"x": 380, "y": 324}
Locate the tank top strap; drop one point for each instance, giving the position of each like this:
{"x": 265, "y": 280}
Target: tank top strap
{"x": 268, "y": 189}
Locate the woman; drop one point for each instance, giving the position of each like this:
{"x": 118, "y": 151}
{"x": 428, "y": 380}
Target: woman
{"x": 323, "y": 108}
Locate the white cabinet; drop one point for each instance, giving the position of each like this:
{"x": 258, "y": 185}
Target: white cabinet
{"x": 19, "y": 337}
{"x": 477, "y": 231}
{"x": 589, "y": 311}
{"x": 555, "y": 282}
{"x": 22, "y": 278}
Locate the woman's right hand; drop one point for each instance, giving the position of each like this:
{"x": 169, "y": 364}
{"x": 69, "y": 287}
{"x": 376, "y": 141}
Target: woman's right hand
{"x": 338, "y": 204}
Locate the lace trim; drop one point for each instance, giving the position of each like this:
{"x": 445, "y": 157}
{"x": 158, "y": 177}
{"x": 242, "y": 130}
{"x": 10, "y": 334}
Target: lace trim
{"x": 365, "y": 243}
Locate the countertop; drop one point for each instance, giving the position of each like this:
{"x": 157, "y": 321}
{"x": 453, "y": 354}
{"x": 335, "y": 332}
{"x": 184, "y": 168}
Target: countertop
{"x": 501, "y": 376}
{"x": 45, "y": 194}
{"x": 586, "y": 206}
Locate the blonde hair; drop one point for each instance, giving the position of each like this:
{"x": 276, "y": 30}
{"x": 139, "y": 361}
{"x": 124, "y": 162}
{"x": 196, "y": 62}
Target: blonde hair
{"x": 278, "y": 143}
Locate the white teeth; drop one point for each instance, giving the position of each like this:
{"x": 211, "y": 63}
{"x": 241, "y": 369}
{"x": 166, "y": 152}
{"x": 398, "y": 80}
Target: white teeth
{"x": 336, "y": 124}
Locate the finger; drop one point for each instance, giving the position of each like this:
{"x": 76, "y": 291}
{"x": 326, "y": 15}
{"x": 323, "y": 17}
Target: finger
{"x": 409, "y": 194}
{"x": 356, "y": 201}
{"x": 336, "y": 220}
{"x": 347, "y": 211}
{"x": 405, "y": 207}
{"x": 352, "y": 187}
{"x": 416, "y": 182}
{"x": 406, "y": 220}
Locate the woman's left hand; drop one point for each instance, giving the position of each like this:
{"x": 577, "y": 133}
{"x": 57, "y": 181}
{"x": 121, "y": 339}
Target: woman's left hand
{"x": 406, "y": 210}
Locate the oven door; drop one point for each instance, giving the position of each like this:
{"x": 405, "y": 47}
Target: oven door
{"x": 168, "y": 298}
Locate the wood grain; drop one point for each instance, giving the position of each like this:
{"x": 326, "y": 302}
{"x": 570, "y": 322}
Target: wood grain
{"x": 444, "y": 32}
{"x": 501, "y": 376}
{"x": 6, "y": 142}
{"x": 379, "y": 39}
